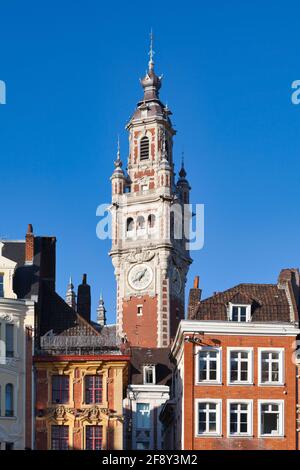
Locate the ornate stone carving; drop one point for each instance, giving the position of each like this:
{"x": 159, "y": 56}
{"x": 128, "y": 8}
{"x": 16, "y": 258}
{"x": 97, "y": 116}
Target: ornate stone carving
{"x": 6, "y": 317}
{"x": 137, "y": 256}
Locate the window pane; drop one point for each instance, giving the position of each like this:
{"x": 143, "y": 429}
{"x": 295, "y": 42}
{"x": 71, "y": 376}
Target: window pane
{"x": 93, "y": 437}
{"x": 1, "y": 285}
{"x": 235, "y": 313}
{"x": 9, "y": 400}
{"x": 59, "y": 437}
{"x": 60, "y": 389}
{"x": 270, "y": 422}
{"x": 143, "y": 415}
{"x": 93, "y": 389}
{"x": 9, "y": 340}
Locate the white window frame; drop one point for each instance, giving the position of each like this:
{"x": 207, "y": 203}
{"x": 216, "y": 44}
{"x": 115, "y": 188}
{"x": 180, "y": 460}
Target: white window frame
{"x": 250, "y": 416}
{"x": 281, "y": 367}
{"x": 140, "y": 306}
{"x": 219, "y": 365}
{"x": 218, "y": 402}
{"x": 281, "y": 418}
{"x": 152, "y": 367}
{"x": 248, "y": 312}
{"x": 250, "y": 365}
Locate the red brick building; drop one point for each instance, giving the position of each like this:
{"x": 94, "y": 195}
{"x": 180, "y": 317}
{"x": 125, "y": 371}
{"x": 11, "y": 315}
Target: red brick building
{"x": 235, "y": 378}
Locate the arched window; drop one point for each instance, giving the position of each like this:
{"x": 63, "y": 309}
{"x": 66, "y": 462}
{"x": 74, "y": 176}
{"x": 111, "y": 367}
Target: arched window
{"x": 151, "y": 221}
{"x": 129, "y": 224}
{"x": 144, "y": 148}
{"x": 9, "y": 400}
{"x": 140, "y": 222}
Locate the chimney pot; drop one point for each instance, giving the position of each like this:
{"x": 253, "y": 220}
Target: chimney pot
{"x": 196, "y": 282}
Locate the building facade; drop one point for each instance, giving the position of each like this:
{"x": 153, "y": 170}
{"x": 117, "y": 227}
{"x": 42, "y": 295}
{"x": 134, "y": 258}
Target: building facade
{"x": 235, "y": 377}
{"x": 148, "y": 250}
{"x": 17, "y": 313}
{"x": 148, "y": 391}
{"x": 80, "y": 402}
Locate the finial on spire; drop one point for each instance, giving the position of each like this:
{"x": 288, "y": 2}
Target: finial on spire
{"x": 118, "y": 162}
{"x": 151, "y": 52}
{"x": 182, "y": 172}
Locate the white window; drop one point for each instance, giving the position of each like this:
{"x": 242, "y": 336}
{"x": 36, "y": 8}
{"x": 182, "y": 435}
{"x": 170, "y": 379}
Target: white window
{"x": 208, "y": 365}
{"x": 239, "y": 414}
{"x": 270, "y": 366}
{"x": 149, "y": 375}
{"x": 139, "y": 310}
{"x": 240, "y": 366}
{"x": 240, "y": 313}
{"x": 208, "y": 417}
{"x": 143, "y": 416}
{"x": 270, "y": 418}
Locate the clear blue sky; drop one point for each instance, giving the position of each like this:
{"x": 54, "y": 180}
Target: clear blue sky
{"x": 72, "y": 71}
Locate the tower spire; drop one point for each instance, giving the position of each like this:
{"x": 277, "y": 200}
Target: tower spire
{"x": 151, "y": 52}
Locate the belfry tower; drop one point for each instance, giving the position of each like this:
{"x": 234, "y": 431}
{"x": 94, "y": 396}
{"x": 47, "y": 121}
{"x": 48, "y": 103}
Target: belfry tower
{"x": 148, "y": 241}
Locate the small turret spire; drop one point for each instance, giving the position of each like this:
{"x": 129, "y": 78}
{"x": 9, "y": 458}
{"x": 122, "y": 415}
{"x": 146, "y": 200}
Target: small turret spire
{"x": 70, "y": 295}
{"x": 182, "y": 172}
{"x": 101, "y": 312}
{"x": 118, "y": 162}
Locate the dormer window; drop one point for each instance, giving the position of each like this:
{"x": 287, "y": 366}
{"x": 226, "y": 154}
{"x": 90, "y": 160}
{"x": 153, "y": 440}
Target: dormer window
{"x": 240, "y": 313}
{"x": 144, "y": 148}
{"x": 149, "y": 375}
{"x": 1, "y": 285}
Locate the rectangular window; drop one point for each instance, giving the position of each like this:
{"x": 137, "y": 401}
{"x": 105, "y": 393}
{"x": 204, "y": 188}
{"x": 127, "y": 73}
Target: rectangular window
{"x": 208, "y": 365}
{"x": 270, "y": 418}
{"x": 60, "y": 388}
{"x": 240, "y": 366}
{"x": 59, "y": 437}
{"x": 143, "y": 416}
{"x": 240, "y": 313}
{"x": 271, "y": 367}
{"x": 94, "y": 437}
{"x": 1, "y": 285}
{"x": 9, "y": 340}
{"x": 208, "y": 417}
{"x": 149, "y": 374}
{"x": 139, "y": 310}
{"x": 240, "y": 419}
{"x": 93, "y": 389}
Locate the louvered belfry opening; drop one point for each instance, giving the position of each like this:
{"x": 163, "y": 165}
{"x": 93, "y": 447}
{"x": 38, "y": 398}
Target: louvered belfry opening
{"x": 144, "y": 148}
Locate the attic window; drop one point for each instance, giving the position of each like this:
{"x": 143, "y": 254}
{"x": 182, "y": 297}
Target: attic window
{"x": 240, "y": 313}
{"x": 144, "y": 148}
{"x": 149, "y": 375}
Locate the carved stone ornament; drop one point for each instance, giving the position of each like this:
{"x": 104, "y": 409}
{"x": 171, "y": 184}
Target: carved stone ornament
{"x": 6, "y": 317}
{"x": 136, "y": 256}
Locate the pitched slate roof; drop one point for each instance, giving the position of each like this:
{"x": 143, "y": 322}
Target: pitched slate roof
{"x": 146, "y": 356}
{"x": 269, "y": 303}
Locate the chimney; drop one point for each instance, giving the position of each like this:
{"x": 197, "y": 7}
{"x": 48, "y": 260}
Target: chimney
{"x": 84, "y": 300}
{"x": 194, "y": 299}
{"x": 29, "y": 246}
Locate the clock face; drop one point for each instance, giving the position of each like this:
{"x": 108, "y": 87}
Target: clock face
{"x": 176, "y": 280}
{"x": 140, "y": 276}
